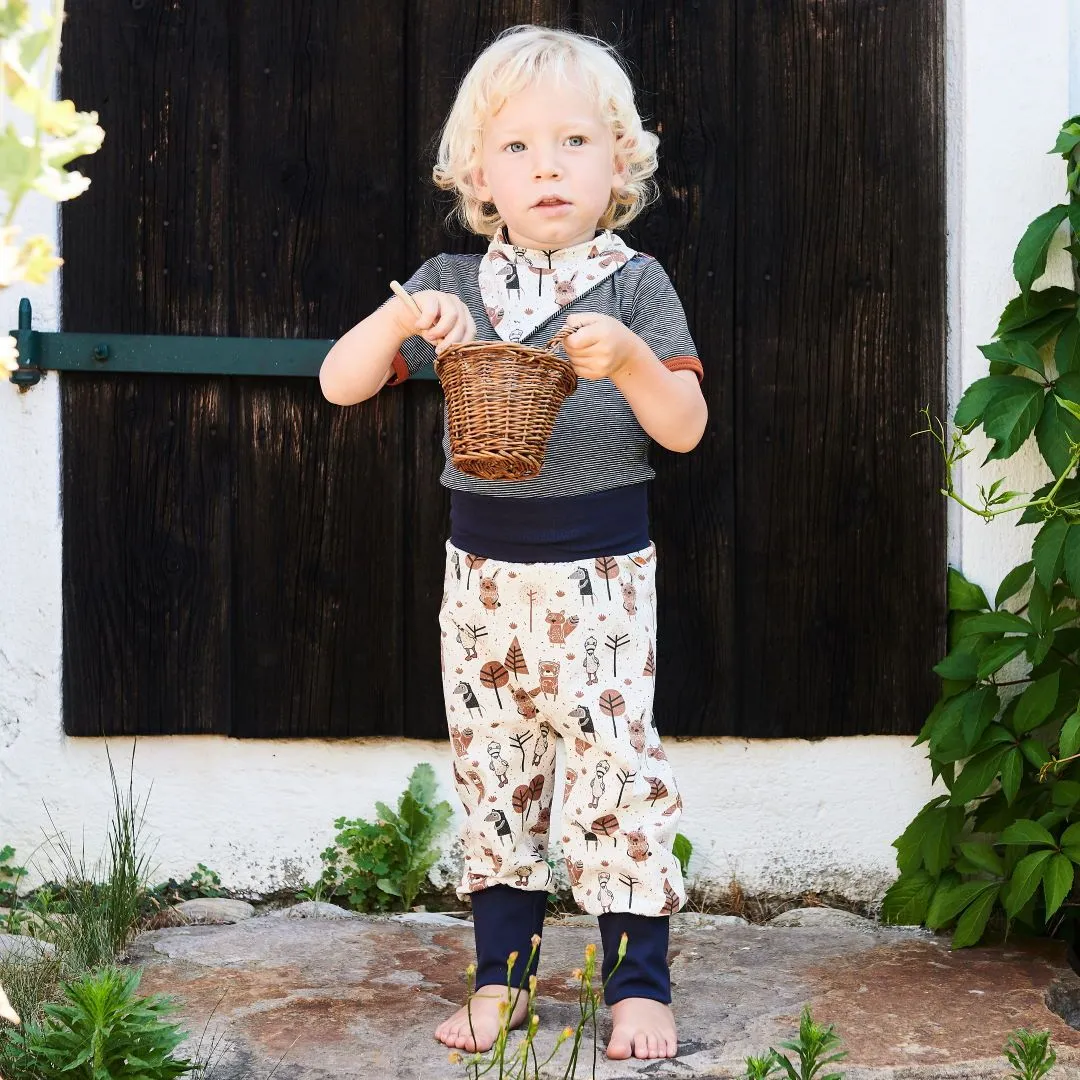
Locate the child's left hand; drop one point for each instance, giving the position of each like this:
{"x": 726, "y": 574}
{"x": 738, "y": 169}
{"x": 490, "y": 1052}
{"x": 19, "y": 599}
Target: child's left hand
{"x": 600, "y": 346}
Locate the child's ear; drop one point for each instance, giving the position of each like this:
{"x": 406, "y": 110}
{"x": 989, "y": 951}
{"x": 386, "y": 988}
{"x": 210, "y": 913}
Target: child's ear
{"x": 619, "y": 175}
{"x": 482, "y": 190}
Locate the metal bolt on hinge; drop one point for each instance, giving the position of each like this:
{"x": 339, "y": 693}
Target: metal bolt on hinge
{"x": 27, "y": 374}
{"x": 100, "y": 353}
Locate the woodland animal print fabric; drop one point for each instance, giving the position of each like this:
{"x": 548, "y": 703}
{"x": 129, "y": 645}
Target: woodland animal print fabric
{"x": 517, "y": 296}
{"x": 533, "y": 652}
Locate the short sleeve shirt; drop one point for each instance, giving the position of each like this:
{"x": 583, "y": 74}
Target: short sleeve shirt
{"x": 597, "y": 442}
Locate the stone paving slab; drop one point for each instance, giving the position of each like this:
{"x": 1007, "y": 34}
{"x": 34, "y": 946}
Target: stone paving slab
{"x": 360, "y": 997}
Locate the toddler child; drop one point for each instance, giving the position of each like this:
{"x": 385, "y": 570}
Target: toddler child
{"x": 550, "y": 580}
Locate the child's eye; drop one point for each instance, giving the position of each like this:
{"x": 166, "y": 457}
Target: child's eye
{"x": 577, "y": 140}
{"x": 515, "y": 147}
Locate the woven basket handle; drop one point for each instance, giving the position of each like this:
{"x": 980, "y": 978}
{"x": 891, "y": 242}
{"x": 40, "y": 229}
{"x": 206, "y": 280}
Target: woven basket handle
{"x": 559, "y": 338}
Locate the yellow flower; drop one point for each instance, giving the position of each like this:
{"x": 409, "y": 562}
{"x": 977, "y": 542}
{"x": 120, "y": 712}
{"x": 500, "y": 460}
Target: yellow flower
{"x": 535, "y": 941}
{"x": 455, "y": 1057}
{"x": 38, "y": 260}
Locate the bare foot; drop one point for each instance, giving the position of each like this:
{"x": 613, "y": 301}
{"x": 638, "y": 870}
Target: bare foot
{"x": 642, "y": 1028}
{"x": 486, "y": 1020}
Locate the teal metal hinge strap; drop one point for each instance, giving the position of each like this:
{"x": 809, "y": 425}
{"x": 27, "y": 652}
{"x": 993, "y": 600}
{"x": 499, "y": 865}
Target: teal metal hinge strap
{"x": 165, "y": 353}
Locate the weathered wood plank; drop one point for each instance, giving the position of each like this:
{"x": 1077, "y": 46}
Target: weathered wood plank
{"x": 319, "y": 210}
{"x": 146, "y": 474}
{"x": 840, "y": 341}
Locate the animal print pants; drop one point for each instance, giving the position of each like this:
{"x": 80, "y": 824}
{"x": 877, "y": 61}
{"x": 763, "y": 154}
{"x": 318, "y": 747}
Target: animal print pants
{"x": 532, "y": 652}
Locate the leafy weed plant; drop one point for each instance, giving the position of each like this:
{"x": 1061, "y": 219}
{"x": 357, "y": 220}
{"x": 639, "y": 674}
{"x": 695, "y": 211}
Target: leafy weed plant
{"x": 104, "y": 1031}
{"x": 381, "y": 864}
{"x": 1030, "y": 1054}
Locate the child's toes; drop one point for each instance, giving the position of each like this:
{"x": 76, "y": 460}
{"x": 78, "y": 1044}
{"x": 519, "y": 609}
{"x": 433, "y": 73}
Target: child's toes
{"x": 620, "y": 1045}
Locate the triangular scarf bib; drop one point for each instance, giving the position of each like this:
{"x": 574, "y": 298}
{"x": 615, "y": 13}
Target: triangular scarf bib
{"x": 523, "y": 287}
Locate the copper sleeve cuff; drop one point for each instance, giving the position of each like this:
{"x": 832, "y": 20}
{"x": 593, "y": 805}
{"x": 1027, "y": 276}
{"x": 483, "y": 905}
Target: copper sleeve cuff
{"x": 684, "y": 363}
{"x": 401, "y": 371}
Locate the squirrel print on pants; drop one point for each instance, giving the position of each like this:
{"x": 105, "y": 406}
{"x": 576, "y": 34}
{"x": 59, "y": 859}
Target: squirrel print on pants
{"x": 524, "y": 702}
{"x": 559, "y": 626}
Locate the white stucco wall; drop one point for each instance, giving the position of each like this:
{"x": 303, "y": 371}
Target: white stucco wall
{"x": 780, "y": 816}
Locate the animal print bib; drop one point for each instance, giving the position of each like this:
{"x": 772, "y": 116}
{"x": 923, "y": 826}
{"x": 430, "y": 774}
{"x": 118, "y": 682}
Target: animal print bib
{"x": 522, "y": 288}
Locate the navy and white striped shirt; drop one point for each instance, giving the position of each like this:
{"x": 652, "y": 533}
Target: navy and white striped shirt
{"x": 597, "y": 443}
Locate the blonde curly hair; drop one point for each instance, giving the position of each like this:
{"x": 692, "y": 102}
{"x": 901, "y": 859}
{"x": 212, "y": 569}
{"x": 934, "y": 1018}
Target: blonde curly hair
{"x": 514, "y": 61}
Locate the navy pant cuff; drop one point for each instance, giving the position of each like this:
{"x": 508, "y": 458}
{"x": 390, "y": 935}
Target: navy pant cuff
{"x": 504, "y": 921}
{"x": 644, "y": 969}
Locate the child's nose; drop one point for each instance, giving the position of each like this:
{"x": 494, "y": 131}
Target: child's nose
{"x": 546, "y": 165}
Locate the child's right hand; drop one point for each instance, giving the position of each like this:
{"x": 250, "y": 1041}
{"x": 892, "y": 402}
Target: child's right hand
{"x": 445, "y": 320}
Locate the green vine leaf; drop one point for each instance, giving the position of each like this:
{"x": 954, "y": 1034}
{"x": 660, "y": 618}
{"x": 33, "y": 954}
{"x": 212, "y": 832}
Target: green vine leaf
{"x": 964, "y": 595}
{"x": 1012, "y": 771}
{"x": 1013, "y": 582}
{"x": 1057, "y": 881}
{"x": 977, "y": 775}
{"x": 1067, "y": 349}
{"x": 1067, "y": 139}
{"x": 1048, "y": 551}
{"x": 1011, "y": 417}
{"x": 1026, "y": 831}
{"x": 1036, "y": 703}
{"x": 1069, "y": 743}
{"x": 1025, "y": 880}
{"x": 1039, "y": 607}
{"x": 1069, "y": 406}
{"x": 1024, "y": 312}
{"x": 1024, "y": 354}
{"x": 998, "y": 654}
{"x": 984, "y": 857}
{"x": 1029, "y": 260}
{"x": 970, "y": 925}
{"x": 997, "y": 622}
{"x": 1035, "y": 752}
{"x": 1056, "y": 428}
{"x": 980, "y": 393}
{"x": 907, "y": 900}
{"x": 951, "y": 898}
{"x": 1071, "y": 560}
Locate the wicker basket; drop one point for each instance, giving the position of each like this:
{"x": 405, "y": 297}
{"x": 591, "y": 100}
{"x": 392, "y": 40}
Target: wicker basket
{"x": 501, "y": 404}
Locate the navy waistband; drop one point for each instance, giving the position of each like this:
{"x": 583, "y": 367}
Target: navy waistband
{"x": 554, "y": 529}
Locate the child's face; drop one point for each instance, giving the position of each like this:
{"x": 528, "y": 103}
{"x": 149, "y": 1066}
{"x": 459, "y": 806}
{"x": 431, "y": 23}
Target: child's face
{"x": 548, "y": 165}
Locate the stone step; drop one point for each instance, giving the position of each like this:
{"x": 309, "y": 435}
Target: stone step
{"x": 361, "y": 997}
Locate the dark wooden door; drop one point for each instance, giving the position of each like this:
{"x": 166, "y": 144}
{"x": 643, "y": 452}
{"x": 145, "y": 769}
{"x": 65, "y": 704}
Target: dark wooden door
{"x": 241, "y": 557}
